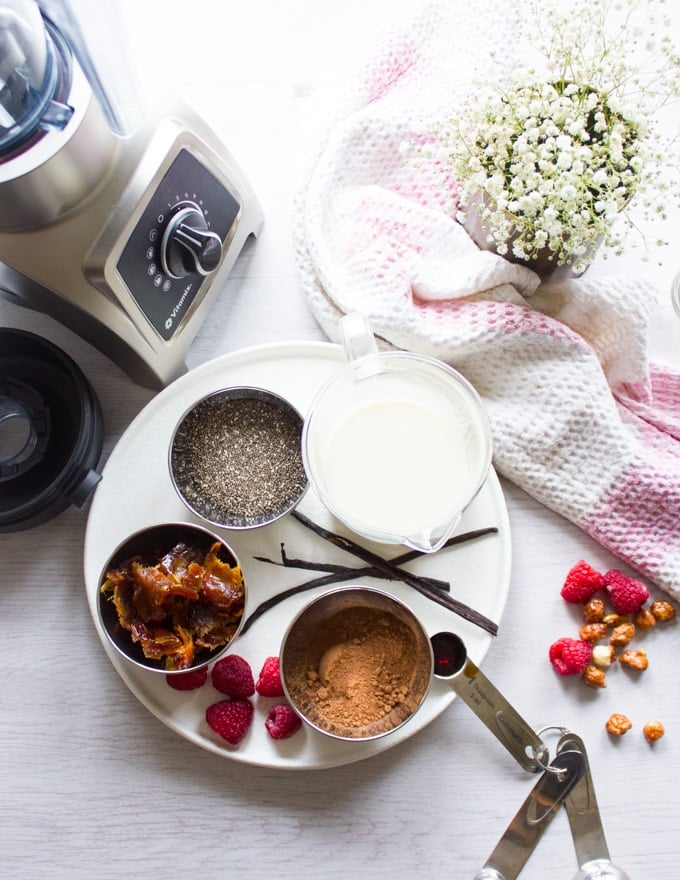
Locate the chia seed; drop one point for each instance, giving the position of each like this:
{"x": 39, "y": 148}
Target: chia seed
{"x": 236, "y": 458}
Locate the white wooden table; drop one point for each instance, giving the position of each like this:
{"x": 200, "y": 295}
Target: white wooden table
{"x": 93, "y": 785}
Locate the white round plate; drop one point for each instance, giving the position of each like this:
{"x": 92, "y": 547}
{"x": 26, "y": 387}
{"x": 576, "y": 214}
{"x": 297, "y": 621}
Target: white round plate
{"x": 136, "y": 491}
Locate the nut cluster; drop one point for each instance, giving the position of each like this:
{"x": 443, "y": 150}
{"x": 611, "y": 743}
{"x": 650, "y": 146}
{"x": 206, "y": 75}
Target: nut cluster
{"x": 606, "y": 635}
{"x": 618, "y": 630}
{"x": 618, "y": 724}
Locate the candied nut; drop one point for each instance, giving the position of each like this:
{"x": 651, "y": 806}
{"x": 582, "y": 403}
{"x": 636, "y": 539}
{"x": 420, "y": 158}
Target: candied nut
{"x": 593, "y": 632}
{"x": 644, "y": 619}
{"x": 618, "y": 724}
{"x": 662, "y": 610}
{"x": 603, "y": 656}
{"x": 634, "y": 659}
{"x": 653, "y": 730}
{"x": 594, "y": 677}
{"x": 622, "y": 635}
{"x": 613, "y": 619}
{"x": 593, "y": 610}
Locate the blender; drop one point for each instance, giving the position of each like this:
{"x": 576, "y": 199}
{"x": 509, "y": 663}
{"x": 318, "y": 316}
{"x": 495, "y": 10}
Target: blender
{"x": 120, "y": 220}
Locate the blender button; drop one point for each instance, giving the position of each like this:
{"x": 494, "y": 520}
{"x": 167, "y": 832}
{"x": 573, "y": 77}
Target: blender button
{"x": 153, "y": 234}
{"x": 151, "y": 269}
{"x": 158, "y": 280}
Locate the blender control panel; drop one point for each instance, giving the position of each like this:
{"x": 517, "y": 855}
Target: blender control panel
{"x": 178, "y": 242}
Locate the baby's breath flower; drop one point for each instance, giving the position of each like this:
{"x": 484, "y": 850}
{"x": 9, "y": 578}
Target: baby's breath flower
{"x": 550, "y": 159}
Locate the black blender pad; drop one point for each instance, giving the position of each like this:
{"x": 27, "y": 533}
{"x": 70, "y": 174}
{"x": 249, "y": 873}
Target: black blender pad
{"x": 67, "y": 417}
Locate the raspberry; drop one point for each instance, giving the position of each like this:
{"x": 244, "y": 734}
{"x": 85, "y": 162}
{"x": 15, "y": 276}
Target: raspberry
{"x": 581, "y": 583}
{"x": 282, "y": 722}
{"x": 188, "y": 681}
{"x": 233, "y": 676}
{"x": 570, "y": 656}
{"x": 269, "y": 681}
{"x": 626, "y": 594}
{"x": 230, "y": 719}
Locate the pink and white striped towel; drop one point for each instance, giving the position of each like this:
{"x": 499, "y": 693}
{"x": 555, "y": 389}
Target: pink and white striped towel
{"x": 580, "y": 420}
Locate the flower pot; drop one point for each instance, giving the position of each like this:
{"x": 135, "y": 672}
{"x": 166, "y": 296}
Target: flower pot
{"x": 544, "y": 263}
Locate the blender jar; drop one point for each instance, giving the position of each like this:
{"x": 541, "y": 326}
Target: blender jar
{"x": 31, "y": 77}
{"x": 39, "y": 44}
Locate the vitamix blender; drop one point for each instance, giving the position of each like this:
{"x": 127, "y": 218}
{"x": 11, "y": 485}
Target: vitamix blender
{"x": 118, "y": 221}
{"x": 121, "y": 224}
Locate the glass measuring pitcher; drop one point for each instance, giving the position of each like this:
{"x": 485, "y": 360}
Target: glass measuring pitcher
{"x": 396, "y": 444}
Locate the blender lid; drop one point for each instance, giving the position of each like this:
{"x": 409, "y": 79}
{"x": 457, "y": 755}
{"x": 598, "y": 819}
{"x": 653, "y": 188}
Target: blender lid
{"x": 51, "y": 431}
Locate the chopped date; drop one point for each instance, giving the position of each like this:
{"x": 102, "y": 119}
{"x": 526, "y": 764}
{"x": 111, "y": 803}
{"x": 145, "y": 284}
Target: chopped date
{"x": 187, "y": 601}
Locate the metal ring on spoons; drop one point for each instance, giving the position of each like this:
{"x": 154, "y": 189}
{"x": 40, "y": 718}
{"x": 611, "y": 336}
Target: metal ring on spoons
{"x": 558, "y": 728}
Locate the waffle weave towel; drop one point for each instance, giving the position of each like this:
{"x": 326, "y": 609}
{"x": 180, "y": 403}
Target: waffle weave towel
{"x": 580, "y": 419}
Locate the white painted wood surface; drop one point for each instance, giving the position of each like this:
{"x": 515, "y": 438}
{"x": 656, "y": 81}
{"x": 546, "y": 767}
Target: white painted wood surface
{"x": 92, "y": 785}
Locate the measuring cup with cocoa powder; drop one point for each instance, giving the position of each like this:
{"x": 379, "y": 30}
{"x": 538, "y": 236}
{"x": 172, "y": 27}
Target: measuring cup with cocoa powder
{"x": 356, "y": 664}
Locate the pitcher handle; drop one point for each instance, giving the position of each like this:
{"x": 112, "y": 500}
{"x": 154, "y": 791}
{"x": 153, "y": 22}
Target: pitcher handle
{"x": 356, "y": 336}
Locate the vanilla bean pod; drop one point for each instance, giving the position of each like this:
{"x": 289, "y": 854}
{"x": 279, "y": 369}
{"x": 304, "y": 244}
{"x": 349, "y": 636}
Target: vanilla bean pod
{"x": 292, "y": 591}
{"x": 344, "y": 572}
{"x": 336, "y": 576}
{"x": 394, "y": 573}
{"x": 306, "y": 564}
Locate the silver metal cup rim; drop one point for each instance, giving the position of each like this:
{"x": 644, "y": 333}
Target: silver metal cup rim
{"x": 236, "y": 523}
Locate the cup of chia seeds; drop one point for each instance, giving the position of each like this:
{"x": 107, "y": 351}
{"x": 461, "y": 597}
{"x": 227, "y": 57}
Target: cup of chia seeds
{"x": 235, "y": 458}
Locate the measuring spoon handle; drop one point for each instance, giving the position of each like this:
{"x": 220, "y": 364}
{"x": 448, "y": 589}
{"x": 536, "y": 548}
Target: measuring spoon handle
{"x": 585, "y": 821}
{"x": 531, "y": 820}
{"x": 582, "y": 809}
{"x": 452, "y": 664}
{"x": 501, "y": 718}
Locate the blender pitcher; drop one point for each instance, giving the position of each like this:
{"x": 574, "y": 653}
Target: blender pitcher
{"x": 35, "y": 70}
{"x": 53, "y": 102}
{"x": 29, "y": 76}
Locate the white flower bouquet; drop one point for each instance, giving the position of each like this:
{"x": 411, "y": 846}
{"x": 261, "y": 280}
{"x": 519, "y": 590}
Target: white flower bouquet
{"x": 548, "y": 161}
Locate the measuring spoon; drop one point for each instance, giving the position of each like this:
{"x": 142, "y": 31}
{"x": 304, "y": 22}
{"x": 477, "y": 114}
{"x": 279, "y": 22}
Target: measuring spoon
{"x": 586, "y": 823}
{"x": 451, "y": 663}
{"x": 532, "y": 819}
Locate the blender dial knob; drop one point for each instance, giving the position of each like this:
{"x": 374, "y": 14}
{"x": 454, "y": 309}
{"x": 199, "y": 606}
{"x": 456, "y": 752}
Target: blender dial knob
{"x": 189, "y": 245}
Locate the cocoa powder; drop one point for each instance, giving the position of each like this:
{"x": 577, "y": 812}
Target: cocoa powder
{"x": 358, "y": 670}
